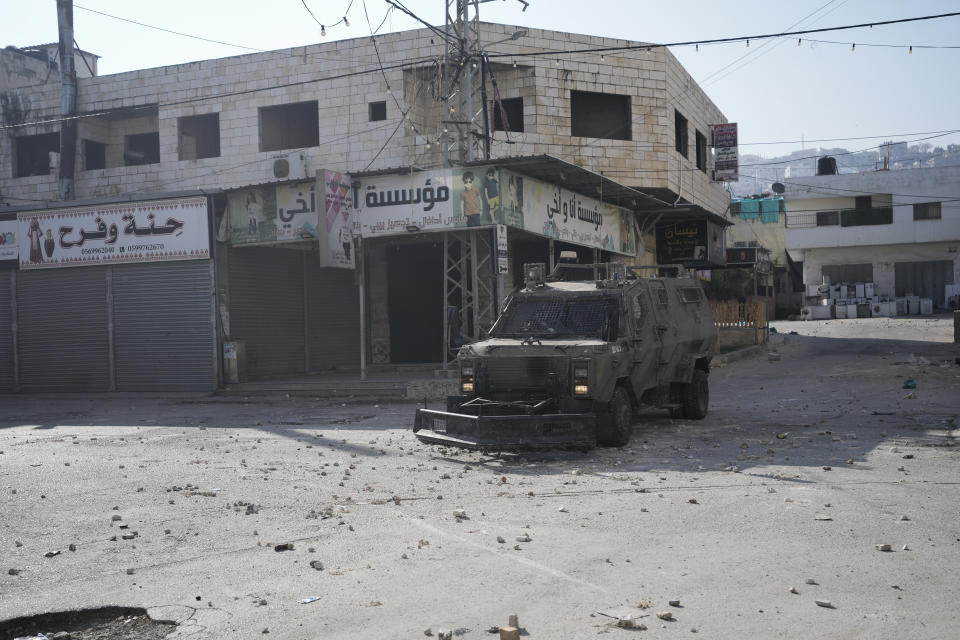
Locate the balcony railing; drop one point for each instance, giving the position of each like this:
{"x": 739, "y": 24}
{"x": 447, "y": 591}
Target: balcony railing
{"x": 839, "y": 217}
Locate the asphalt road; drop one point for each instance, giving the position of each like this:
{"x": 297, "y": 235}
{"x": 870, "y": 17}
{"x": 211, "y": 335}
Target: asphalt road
{"x": 802, "y": 467}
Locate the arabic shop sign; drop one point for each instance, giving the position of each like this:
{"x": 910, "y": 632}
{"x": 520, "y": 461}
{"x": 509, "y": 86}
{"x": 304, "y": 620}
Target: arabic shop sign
{"x": 725, "y": 161}
{"x": 555, "y": 212}
{"x": 8, "y": 240}
{"x": 488, "y": 195}
{"x": 281, "y": 213}
{"x": 394, "y": 204}
{"x": 151, "y": 231}
{"x": 690, "y": 242}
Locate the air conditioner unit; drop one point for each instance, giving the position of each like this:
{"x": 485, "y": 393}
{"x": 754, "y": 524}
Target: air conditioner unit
{"x": 292, "y": 166}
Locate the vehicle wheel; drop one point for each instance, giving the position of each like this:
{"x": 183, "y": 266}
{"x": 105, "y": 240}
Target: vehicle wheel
{"x": 615, "y": 425}
{"x": 677, "y": 413}
{"x": 696, "y": 396}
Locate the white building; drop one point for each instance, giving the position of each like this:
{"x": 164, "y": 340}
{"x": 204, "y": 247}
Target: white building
{"x": 897, "y": 229}
{"x": 626, "y": 128}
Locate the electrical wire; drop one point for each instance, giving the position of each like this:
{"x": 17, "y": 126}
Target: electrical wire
{"x": 332, "y": 24}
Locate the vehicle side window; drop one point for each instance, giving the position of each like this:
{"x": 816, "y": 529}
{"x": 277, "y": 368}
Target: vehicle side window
{"x": 691, "y": 294}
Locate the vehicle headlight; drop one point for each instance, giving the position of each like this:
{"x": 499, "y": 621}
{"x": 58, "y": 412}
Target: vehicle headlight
{"x": 581, "y": 385}
{"x": 466, "y": 379}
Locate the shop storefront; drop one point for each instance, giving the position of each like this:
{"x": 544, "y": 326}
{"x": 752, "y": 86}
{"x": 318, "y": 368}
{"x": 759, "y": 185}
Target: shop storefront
{"x": 113, "y": 297}
{"x": 289, "y": 298}
{"x": 444, "y": 249}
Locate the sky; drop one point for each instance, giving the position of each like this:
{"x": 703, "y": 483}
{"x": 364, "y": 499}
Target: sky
{"x": 777, "y": 91}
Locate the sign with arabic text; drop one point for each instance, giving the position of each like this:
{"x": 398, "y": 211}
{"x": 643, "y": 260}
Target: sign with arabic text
{"x": 151, "y": 231}
{"x": 697, "y": 242}
{"x": 297, "y": 211}
{"x": 725, "y": 160}
{"x": 396, "y": 204}
{"x": 552, "y": 211}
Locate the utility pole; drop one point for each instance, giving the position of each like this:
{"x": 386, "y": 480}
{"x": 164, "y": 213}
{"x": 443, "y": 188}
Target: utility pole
{"x": 68, "y": 106}
{"x": 461, "y": 70}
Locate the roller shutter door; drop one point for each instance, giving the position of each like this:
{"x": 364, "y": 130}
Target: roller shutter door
{"x": 6, "y": 330}
{"x": 267, "y": 309}
{"x": 924, "y": 279}
{"x": 163, "y": 326}
{"x": 62, "y": 330}
{"x": 333, "y": 315}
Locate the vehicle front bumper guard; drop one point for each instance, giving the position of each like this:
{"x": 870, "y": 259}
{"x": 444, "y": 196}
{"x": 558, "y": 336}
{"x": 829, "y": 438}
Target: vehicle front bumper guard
{"x": 575, "y": 430}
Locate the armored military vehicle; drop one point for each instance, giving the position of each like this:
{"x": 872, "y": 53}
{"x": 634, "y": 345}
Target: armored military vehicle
{"x": 570, "y": 360}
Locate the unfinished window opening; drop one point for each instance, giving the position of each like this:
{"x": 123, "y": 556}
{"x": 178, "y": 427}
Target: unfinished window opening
{"x": 701, "y": 152}
{"x": 512, "y": 110}
{"x": 289, "y": 126}
{"x": 828, "y": 218}
{"x": 199, "y": 136}
{"x": 599, "y": 115}
{"x": 141, "y": 148}
{"x": 377, "y": 111}
{"x": 32, "y": 154}
{"x": 926, "y": 211}
{"x": 94, "y": 155}
{"x": 861, "y": 203}
{"x": 680, "y": 133}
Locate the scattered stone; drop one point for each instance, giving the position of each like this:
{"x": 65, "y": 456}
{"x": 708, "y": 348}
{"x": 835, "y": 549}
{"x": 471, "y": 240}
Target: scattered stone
{"x": 501, "y": 539}
{"x": 460, "y": 514}
{"x": 131, "y": 571}
{"x": 810, "y": 581}
{"x": 822, "y": 516}
{"x": 286, "y": 546}
{"x": 18, "y": 543}
{"x": 524, "y": 539}
{"x": 61, "y": 635}
{"x": 513, "y": 620}
{"x": 50, "y": 554}
{"x": 884, "y": 547}
{"x": 444, "y": 634}
{"x": 908, "y": 456}
{"x": 826, "y": 604}
{"x": 116, "y": 517}
{"x": 13, "y": 572}
{"x": 516, "y": 547}
{"x": 665, "y": 615}
{"x": 674, "y": 603}
{"x": 904, "y": 518}
{"x": 794, "y": 591}
{"x": 509, "y": 633}
{"x": 693, "y": 501}
{"x": 316, "y": 564}
{"x": 827, "y": 468}
{"x": 72, "y": 547}
{"x": 428, "y": 631}
{"x": 562, "y": 510}
{"x": 906, "y": 548}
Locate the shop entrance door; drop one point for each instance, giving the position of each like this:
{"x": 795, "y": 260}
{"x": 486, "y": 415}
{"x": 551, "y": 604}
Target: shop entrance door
{"x": 415, "y": 302}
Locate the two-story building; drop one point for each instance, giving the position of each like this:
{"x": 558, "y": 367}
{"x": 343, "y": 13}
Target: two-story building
{"x": 226, "y": 201}
{"x": 897, "y": 229}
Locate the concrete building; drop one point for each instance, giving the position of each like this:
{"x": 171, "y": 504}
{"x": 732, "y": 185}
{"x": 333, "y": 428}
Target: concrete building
{"x": 897, "y": 229}
{"x": 626, "y": 129}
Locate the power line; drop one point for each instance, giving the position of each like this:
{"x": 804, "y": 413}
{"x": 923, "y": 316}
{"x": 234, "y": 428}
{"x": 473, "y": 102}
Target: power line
{"x": 687, "y": 43}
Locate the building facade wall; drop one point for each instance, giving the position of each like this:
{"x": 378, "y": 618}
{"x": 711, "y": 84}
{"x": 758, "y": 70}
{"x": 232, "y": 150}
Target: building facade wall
{"x": 335, "y": 76}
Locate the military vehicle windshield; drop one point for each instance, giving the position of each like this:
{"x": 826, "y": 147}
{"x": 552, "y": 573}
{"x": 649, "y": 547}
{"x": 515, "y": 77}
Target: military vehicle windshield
{"x": 582, "y": 317}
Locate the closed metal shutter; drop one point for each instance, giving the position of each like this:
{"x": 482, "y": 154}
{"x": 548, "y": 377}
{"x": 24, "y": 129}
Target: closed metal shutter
{"x": 163, "y": 327}
{"x": 924, "y": 279}
{"x": 62, "y": 330}
{"x": 266, "y": 309}
{"x": 6, "y": 330}
{"x": 333, "y": 314}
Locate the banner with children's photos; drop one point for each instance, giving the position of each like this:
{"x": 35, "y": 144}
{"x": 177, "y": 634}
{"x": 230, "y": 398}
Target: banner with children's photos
{"x": 269, "y": 214}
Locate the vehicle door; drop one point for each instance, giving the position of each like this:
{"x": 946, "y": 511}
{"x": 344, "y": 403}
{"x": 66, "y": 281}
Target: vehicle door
{"x": 665, "y": 326}
{"x": 646, "y": 340}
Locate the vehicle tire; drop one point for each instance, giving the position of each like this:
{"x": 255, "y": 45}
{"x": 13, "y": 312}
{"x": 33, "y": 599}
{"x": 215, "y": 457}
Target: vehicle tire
{"x": 615, "y": 424}
{"x": 696, "y": 396}
{"x": 677, "y": 413}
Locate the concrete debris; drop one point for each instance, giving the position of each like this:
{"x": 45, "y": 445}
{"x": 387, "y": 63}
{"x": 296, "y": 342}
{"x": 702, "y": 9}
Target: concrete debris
{"x": 131, "y": 571}
{"x": 665, "y": 615}
{"x": 562, "y": 509}
{"x": 794, "y": 591}
{"x": 316, "y": 564}
{"x": 826, "y": 604}
{"x": 286, "y": 546}
{"x": 72, "y": 547}
{"x": 50, "y": 554}
{"x": 674, "y": 603}
{"x": 13, "y": 572}
{"x": 524, "y": 538}
{"x": 822, "y": 516}
{"x": 513, "y": 620}
{"x": 906, "y": 548}
{"x": 810, "y": 581}
{"x": 884, "y": 547}
{"x": 444, "y": 634}
{"x": 904, "y": 518}
{"x": 509, "y": 633}
{"x": 116, "y": 517}
{"x": 428, "y": 632}
{"x": 460, "y": 514}
{"x": 501, "y": 539}
{"x": 693, "y": 501}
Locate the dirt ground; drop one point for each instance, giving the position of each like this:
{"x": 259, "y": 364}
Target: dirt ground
{"x": 802, "y": 468}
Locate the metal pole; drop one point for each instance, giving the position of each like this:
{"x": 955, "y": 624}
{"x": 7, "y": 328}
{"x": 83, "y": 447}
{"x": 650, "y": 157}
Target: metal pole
{"x": 446, "y": 281}
{"x": 306, "y": 312}
{"x": 486, "y": 115}
{"x": 68, "y": 106}
{"x": 14, "y": 329}
{"x": 359, "y": 260}
{"x": 956, "y": 326}
{"x": 475, "y": 284}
